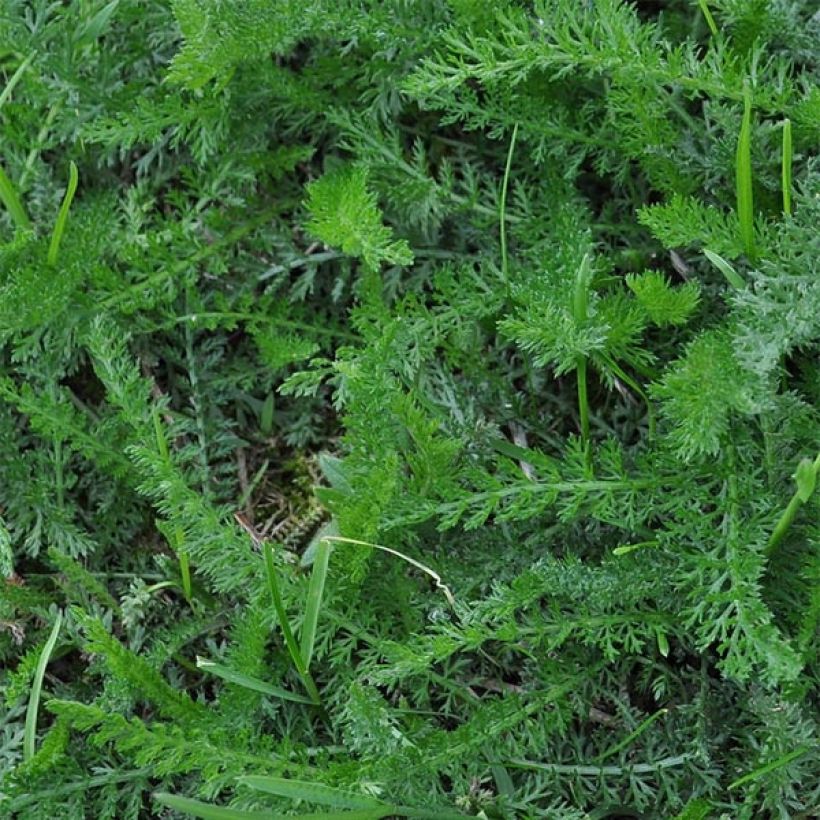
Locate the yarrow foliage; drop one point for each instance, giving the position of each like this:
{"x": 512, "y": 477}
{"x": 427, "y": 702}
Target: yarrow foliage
{"x": 409, "y": 409}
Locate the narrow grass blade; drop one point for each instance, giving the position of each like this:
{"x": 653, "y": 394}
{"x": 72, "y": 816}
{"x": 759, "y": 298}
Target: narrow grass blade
{"x": 434, "y": 575}
{"x": 62, "y": 216}
{"x": 8, "y": 195}
{"x": 207, "y": 811}
{"x": 505, "y": 267}
{"x": 287, "y": 632}
{"x": 15, "y": 78}
{"x": 311, "y": 792}
{"x": 732, "y": 276}
{"x": 743, "y": 178}
{"x": 631, "y": 736}
{"x": 770, "y": 767}
{"x": 786, "y": 170}
{"x": 314, "y": 600}
{"x": 247, "y": 682}
{"x": 710, "y": 21}
{"x": 36, "y": 689}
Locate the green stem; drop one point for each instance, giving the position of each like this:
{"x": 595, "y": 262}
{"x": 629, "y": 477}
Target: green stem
{"x": 788, "y": 516}
{"x": 583, "y": 400}
{"x": 786, "y": 169}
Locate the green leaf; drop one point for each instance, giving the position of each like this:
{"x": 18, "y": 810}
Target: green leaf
{"x": 247, "y": 682}
{"x": 312, "y": 793}
{"x": 806, "y": 478}
{"x": 345, "y": 214}
{"x": 314, "y": 600}
{"x": 95, "y": 27}
{"x": 8, "y": 195}
{"x": 664, "y": 304}
{"x": 732, "y": 276}
{"x": 266, "y": 414}
{"x": 62, "y": 216}
{"x": 36, "y": 689}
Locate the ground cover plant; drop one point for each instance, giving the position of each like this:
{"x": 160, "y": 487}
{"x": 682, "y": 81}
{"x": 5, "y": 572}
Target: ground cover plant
{"x": 409, "y": 408}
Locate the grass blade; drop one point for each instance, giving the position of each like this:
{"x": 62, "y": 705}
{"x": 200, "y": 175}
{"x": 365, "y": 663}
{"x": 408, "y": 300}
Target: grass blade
{"x": 770, "y": 767}
{"x": 314, "y": 600}
{"x": 207, "y": 811}
{"x": 36, "y": 689}
{"x": 630, "y": 737}
{"x": 15, "y": 78}
{"x": 732, "y": 276}
{"x": 62, "y": 216}
{"x": 312, "y": 793}
{"x": 287, "y": 632}
{"x": 246, "y": 681}
{"x": 710, "y": 21}
{"x": 786, "y": 167}
{"x": 743, "y": 178}
{"x": 8, "y": 194}
{"x": 505, "y": 267}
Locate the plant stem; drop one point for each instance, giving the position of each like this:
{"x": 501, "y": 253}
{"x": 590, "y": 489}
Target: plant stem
{"x": 786, "y": 169}
{"x": 788, "y": 516}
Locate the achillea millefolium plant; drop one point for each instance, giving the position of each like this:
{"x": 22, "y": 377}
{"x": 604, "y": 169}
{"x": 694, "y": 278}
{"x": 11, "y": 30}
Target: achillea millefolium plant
{"x": 409, "y": 408}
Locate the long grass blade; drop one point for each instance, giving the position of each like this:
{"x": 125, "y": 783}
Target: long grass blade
{"x": 36, "y": 688}
{"x": 786, "y": 169}
{"x": 62, "y": 216}
{"x": 8, "y": 195}
{"x": 770, "y": 767}
{"x": 207, "y": 811}
{"x": 247, "y": 682}
{"x": 311, "y": 792}
{"x": 743, "y": 178}
{"x": 287, "y": 632}
{"x": 710, "y": 21}
{"x": 631, "y": 736}
{"x": 15, "y": 78}
{"x": 314, "y": 600}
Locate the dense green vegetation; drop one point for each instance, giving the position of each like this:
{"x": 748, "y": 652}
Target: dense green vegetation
{"x": 409, "y": 408}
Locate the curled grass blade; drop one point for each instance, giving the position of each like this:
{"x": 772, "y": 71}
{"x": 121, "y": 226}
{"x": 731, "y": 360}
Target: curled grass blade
{"x": 434, "y": 575}
{"x": 36, "y": 689}
{"x": 62, "y": 216}
{"x": 247, "y": 682}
